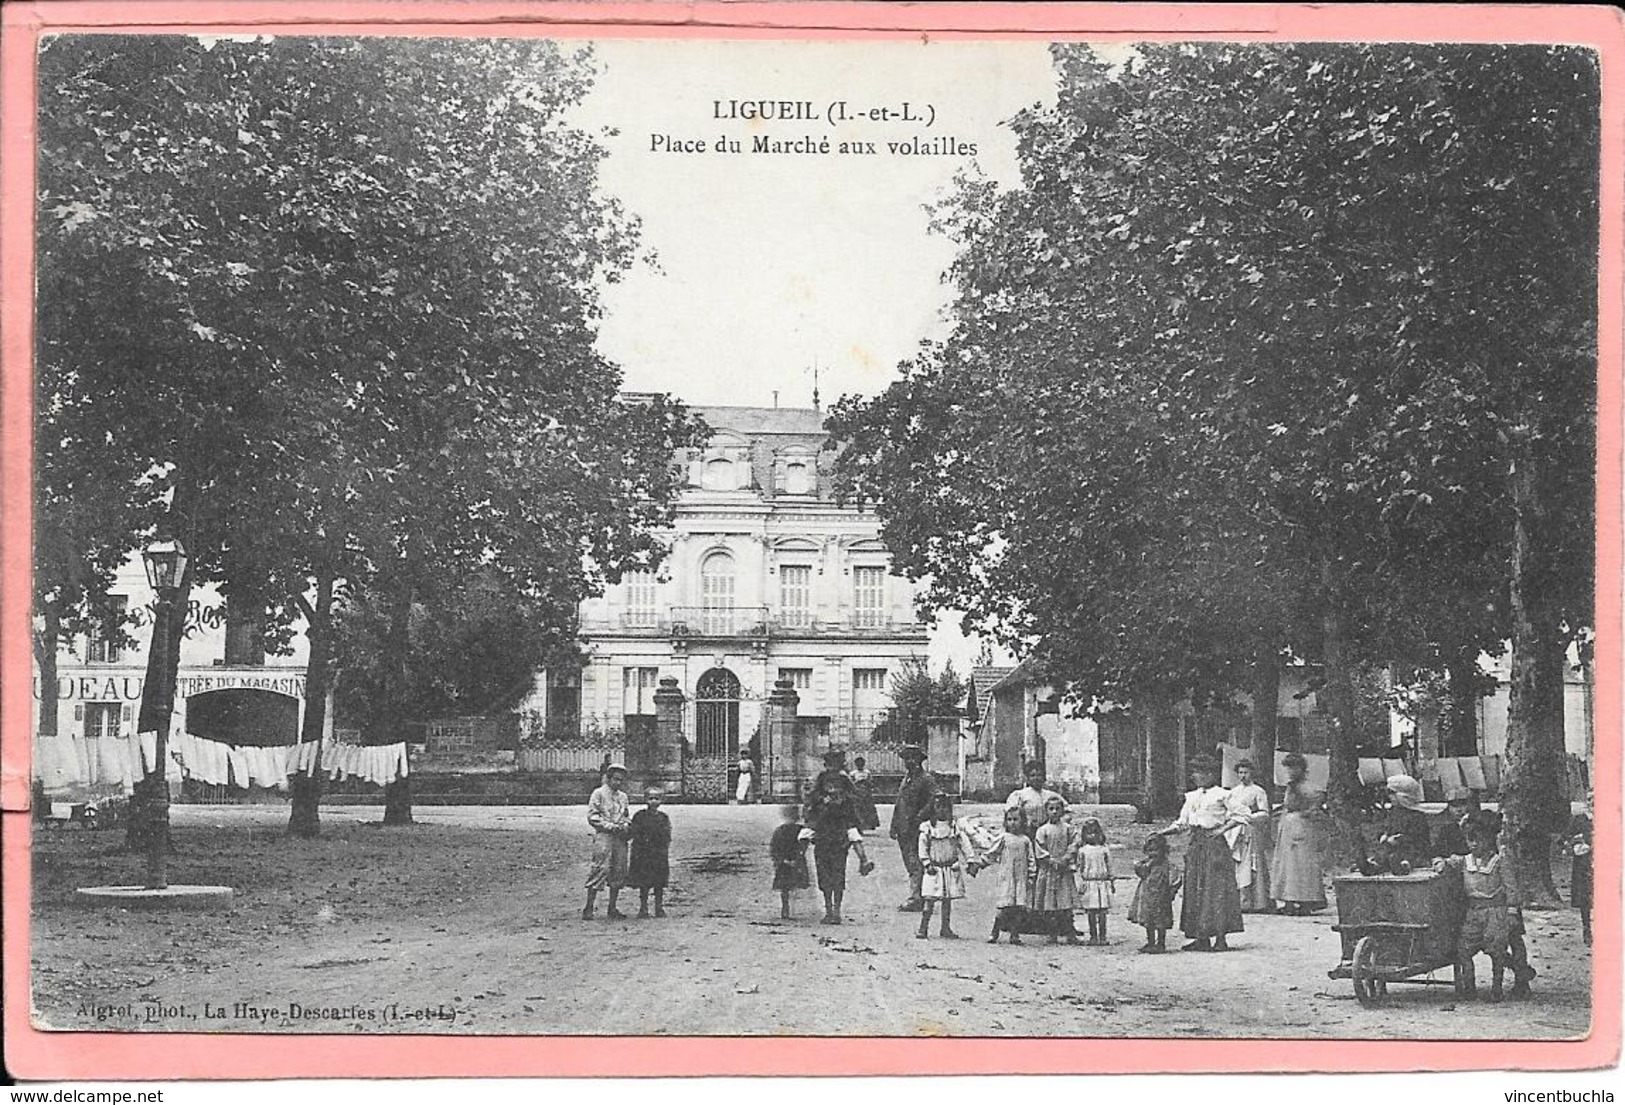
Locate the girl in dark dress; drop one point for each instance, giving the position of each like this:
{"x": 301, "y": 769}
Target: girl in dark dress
{"x": 835, "y": 832}
{"x": 788, "y": 850}
{"x": 1153, "y": 905}
{"x": 650, "y": 866}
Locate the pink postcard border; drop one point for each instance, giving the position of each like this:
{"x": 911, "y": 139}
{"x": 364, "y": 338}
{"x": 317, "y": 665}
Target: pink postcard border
{"x": 76, "y": 1055}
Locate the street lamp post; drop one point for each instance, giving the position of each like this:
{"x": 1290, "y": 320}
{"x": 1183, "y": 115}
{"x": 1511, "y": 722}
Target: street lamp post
{"x": 166, "y": 567}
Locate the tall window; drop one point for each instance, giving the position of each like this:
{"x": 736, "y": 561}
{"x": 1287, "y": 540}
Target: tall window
{"x": 102, "y": 720}
{"x": 104, "y": 642}
{"x": 640, "y": 599}
{"x": 638, "y": 690}
{"x": 798, "y": 478}
{"x": 800, "y": 678}
{"x": 870, "y": 693}
{"x": 795, "y": 595}
{"x": 869, "y": 596}
{"x": 717, "y": 592}
{"x": 245, "y": 634}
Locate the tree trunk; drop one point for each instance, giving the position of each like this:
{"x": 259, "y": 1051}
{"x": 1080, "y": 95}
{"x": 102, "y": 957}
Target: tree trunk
{"x": 306, "y": 786}
{"x": 1265, "y": 720}
{"x": 1533, "y": 791}
{"x": 398, "y": 793}
{"x": 1461, "y": 725}
{"x": 157, "y": 706}
{"x": 398, "y": 802}
{"x": 1337, "y": 697}
{"x": 45, "y": 646}
{"x": 1162, "y": 793}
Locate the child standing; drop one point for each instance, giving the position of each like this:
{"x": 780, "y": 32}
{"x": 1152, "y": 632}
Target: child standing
{"x": 650, "y": 866}
{"x": 1153, "y": 905}
{"x": 945, "y": 848}
{"x": 835, "y": 832}
{"x": 1095, "y": 883}
{"x": 606, "y": 813}
{"x": 1015, "y": 863}
{"x": 1487, "y": 879}
{"x": 1053, "y": 892}
{"x": 788, "y": 850}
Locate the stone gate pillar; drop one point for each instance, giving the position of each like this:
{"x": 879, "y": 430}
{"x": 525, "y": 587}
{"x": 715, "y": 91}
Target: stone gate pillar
{"x": 665, "y": 757}
{"x": 781, "y": 766}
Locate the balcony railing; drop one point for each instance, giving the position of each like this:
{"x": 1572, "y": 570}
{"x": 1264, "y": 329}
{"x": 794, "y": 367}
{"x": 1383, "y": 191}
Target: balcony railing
{"x": 749, "y": 621}
{"x": 719, "y": 621}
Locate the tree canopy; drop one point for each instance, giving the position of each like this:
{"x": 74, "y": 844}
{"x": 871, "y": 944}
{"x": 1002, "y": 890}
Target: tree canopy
{"x": 1244, "y": 367}
{"x": 339, "y": 295}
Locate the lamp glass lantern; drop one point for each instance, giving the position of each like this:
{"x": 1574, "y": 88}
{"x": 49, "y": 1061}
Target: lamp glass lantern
{"x": 166, "y": 565}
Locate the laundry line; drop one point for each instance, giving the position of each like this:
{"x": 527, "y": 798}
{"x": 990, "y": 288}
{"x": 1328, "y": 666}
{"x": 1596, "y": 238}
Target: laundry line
{"x": 69, "y": 760}
{"x": 217, "y": 763}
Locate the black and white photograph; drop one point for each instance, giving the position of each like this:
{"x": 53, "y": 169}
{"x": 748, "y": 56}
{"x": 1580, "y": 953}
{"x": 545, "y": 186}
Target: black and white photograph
{"x": 985, "y": 538}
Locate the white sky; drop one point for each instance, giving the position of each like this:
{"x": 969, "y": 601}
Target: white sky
{"x": 769, "y": 263}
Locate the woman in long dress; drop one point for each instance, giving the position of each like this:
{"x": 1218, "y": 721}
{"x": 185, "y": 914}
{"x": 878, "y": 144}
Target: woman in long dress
{"x": 1249, "y": 839}
{"x": 1211, "y": 907}
{"x": 1296, "y": 871}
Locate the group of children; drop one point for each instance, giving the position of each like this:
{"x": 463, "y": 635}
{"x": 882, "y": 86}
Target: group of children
{"x": 627, "y": 850}
{"x": 1041, "y": 873}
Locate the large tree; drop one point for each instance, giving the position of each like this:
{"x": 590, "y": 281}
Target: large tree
{"x": 345, "y": 292}
{"x": 1254, "y": 313}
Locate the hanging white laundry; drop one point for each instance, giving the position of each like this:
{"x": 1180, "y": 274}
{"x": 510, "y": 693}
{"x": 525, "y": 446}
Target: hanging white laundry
{"x": 259, "y": 764}
{"x": 83, "y": 769}
{"x": 238, "y": 765}
{"x": 216, "y": 755}
{"x": 183, "y": 755}
{"x": 403, "y": 761}
{"x": 147, "y": 761}
{"x": 118, "y": 764}
{"x": 282, "y": 764}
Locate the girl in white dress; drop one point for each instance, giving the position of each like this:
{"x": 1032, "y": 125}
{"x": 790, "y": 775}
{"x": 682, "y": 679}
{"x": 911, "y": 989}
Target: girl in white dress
{"x": 1094, "y": 878}
{"x": 945, "y": 848}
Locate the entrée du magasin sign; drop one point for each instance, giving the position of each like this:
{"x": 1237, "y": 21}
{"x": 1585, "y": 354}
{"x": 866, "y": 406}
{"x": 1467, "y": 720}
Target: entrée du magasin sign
{"x": 127, "y": 688}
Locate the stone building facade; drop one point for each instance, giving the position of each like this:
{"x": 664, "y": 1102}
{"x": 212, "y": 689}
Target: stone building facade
{"x": 768, "y": 579}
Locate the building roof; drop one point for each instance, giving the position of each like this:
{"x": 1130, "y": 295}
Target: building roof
{"x": 982, "y": 682}
{"x": 764, "y": 420}
{"x": 1013, "y": 677}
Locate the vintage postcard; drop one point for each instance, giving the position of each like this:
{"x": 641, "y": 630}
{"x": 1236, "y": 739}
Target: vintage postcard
{"x": 828, "y": 538}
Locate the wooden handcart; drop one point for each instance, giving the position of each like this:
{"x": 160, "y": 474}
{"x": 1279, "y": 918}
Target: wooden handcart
{"x": 1397, "y": 928}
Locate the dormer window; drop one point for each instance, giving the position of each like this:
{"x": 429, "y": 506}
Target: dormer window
{"x": 798, "y": 478}
{"x": 719, "y": 474}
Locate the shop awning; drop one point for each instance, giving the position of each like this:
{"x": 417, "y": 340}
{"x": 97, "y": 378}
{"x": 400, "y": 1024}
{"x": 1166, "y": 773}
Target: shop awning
{"x": 244, "y": 717}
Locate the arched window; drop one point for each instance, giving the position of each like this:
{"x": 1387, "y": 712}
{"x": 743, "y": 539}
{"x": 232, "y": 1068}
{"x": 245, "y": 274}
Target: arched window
{"x": 798, "y": 478}
{"x": 717, "y": 593}
{"x": 719, "y": 475}
{"x": 716, "y": 714}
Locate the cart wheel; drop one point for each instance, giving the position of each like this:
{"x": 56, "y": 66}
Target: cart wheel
{"x": 1368, "y": 988}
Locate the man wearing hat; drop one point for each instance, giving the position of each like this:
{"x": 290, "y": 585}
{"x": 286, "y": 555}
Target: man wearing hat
{"x": 1211, "y": 906}
{"x": 612, "y": 827}
{"x": 914, "y": 798}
